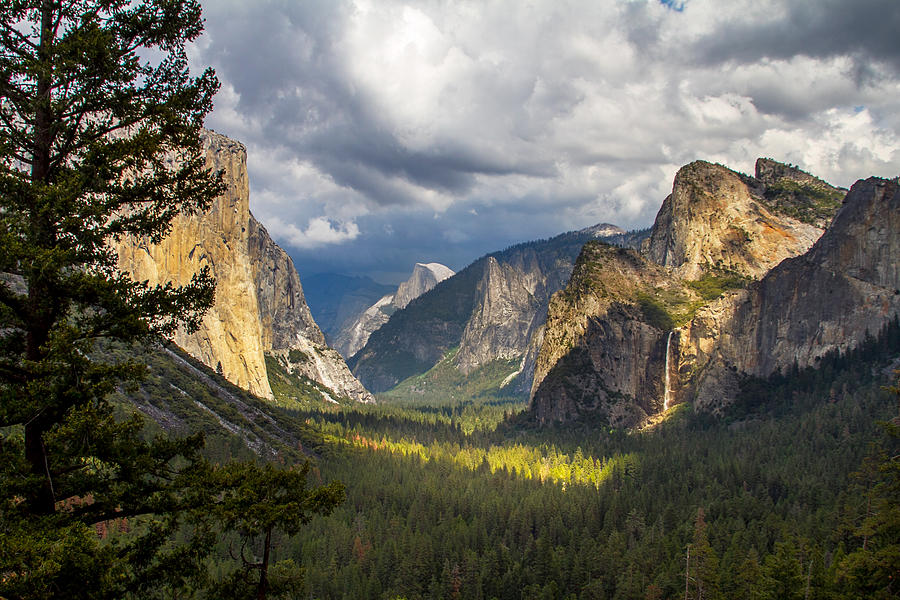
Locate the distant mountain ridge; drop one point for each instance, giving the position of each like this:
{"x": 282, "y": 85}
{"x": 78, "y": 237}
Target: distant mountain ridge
{"x": 354, "y": 333}
{"x": 336, "y": 300}
{"x": 494, "y": 309}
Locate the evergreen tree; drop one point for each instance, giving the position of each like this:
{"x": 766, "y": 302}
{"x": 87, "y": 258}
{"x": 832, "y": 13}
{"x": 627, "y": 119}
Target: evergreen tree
{"x": 872, "y": 569}
{"x": 782, "y": 577}
{"x": 258, "y": 502}
{"x": 703, "y": 568}
{"x": 99, "y": 139}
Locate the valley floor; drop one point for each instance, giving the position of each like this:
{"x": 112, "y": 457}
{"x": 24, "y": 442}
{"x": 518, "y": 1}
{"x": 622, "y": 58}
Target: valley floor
{"x": 771, "y": 504}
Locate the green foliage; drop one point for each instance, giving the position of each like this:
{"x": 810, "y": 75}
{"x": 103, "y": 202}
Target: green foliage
{"x": 665, "y": 308}
{"x": 519, "y": 512}
{"x": 257, "y": 501}
{"x": 835, "y": 373}
{"x": 871, "y": 568}
{"x": 654, "y": 312}
{"x": 702, "y": 563}
{"x": 806, "y": 202}
{"x": 85, "y": 124}
{"x": 100, "y": 125}
{"x": 711, "y": 285}
{"x": 298, "y": 356}
{"x": 293, "y": 390}
{"x": 185, "y": 397}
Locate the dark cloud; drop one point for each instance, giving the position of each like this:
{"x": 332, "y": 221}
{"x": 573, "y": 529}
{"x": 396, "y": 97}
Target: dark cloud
{"x": 865, "y": 30}
{"x": 455, "y": 238}
{"x": 283, "y": 64}
{"x": 385, "y": 133}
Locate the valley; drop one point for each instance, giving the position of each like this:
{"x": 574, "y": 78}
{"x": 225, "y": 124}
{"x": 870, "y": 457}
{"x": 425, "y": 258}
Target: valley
{"x": 532, "y": 302}
{"x": 447, "y": 499}
{"x": 566, "y": 418}
{"x": 573, "y": 417}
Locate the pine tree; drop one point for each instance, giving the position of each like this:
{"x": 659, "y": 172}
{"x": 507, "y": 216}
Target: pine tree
{"x": 99, "y": 139}
{"x": 872, "y": 569}
{"x": 782, "y": 576}
{"x": 258, "y": 502}
{"x": 703, "y": 568}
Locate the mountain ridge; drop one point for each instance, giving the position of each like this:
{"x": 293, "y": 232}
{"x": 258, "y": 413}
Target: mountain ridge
{"x": 354, "y": 334}
{"x": 493, "y": 310}
{"x": 717, "y": 237}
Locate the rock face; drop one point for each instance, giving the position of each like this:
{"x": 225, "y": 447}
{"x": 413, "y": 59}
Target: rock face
{"x": 356, "y": 333}
{"x": 351, "y": 339}
{"x": 604, "y": 349}
{"x": 717, "y": 220}
{"x": 259, "y": 304}
{"x": 493, "y": 309}
{"x": 506, "y": 312}
{"x": 845, "y": 287}
{"x": 423, "y": 278}
{"x": 630, "y": 335}
{"x": 283, "y": 313}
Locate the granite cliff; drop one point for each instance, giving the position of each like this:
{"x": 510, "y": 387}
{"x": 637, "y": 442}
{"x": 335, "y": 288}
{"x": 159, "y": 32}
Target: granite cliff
{"x": 845, "y": 288}
{"x": 604, "y": 348}
{"x": 259, "y": 306}
{"x": 717, "y": 220}
{"x": 633, "y": 334}
{"x": 354, "y": 334}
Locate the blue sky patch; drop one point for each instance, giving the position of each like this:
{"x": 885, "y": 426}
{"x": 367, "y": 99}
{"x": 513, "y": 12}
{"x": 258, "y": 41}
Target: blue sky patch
{"x": 676, "y": 5}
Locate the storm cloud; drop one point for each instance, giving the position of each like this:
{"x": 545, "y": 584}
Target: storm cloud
{"x": 385, "y": 133}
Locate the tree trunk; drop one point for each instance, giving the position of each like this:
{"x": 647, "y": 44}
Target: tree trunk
{"x": 40, "y": 314}
{"x": 264, "y": 567}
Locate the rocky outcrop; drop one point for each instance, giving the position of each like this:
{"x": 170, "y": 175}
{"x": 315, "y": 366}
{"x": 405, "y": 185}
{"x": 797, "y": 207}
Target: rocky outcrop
{"x": 284, "y": 316}
{"x": 288, "y": 328}
{"x": 846, "y": 287}
{"x": 506, "y": 313}
{"x": 356, "y": 333}
{"x": 351, "y": 339}
{"x": 717, "y": 221}
{"x": 259, "y": 305}
{"x": 629, "y": 336}
{"x": 604, "y": 349}
{"x": 230, "y": 338}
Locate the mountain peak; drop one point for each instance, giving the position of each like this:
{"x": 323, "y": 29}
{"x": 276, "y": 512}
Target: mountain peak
{"x": 718, "y": 220}
{"x": 602, "y": 230}
{"x": 440, "y": 272}
{"x": 771, "y": 171}
{"x": 424, "y": 277}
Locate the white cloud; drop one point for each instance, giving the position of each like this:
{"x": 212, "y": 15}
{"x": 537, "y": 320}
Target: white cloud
{"x": 320, "y": 231}
{"x": 538, "y": 117}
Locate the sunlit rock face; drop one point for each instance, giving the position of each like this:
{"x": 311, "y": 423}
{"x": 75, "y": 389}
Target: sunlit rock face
{"x": 603, "y": 352}
{"x": 846, "y": 287}
{"x": 717, "y": 219}
{"x": 630, "y": 334}
{"x": 259, "y": 305}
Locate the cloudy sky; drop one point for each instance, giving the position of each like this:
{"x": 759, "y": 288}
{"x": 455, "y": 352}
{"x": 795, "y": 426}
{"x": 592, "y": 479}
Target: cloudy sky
{"x": 381, "y": 133}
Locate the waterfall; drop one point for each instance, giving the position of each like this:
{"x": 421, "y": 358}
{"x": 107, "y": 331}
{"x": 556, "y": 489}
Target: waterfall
{"x": 668, "y": 392}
